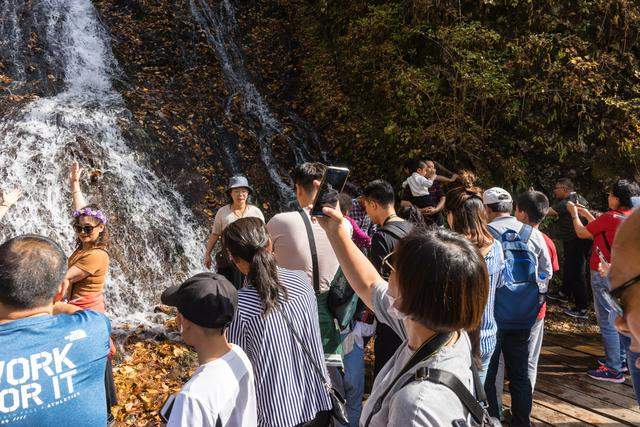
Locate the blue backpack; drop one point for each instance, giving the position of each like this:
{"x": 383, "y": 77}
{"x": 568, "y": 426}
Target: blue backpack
{"x": 517, "y": 300}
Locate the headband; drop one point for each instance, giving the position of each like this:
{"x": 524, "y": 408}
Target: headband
{"x": 95, "y": 213}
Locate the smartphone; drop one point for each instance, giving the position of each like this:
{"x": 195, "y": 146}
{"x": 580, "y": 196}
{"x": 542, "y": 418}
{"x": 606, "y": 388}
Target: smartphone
{"x": 333, "y": 182}
{"x": 573, "y": 197}
{"x": 601, "y": 256}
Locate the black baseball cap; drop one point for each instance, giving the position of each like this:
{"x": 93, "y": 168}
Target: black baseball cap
{"x": 206, "y": 299}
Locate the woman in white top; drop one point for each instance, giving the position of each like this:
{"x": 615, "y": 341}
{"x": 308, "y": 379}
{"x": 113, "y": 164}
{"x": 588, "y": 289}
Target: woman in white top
{"x": 437, "y": 289}
{"x": 239, "y": 191}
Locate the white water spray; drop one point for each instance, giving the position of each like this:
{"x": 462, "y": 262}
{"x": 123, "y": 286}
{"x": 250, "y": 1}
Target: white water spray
{"x": 156, "y": 241}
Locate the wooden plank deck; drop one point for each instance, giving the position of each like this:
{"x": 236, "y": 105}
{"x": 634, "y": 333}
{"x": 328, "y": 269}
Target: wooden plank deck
{"x": 566, "y": 396}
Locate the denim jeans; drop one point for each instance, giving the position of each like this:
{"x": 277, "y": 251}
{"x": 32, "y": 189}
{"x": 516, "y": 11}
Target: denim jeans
{"x": 482, "y": 372}
{"x": 613, "y": 349}
{"x": 354, "y": 383}
{"x": 514, "y": 346}
{"x": 631, "y": 362}
{"x": 535, "y": 346}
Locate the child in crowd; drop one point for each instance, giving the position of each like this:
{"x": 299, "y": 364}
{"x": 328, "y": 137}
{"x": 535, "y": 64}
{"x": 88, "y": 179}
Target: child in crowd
{"x": 359, "y": 237}
{"x": 221, "y": 391}
{"x": 421, "y": 180}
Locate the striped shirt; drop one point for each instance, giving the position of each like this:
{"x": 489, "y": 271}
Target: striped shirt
{"x": 288, "y": 389}
{"x": 488, "y": 326}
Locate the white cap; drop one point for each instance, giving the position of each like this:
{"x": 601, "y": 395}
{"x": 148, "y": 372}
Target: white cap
{"x": 496, "y": 195}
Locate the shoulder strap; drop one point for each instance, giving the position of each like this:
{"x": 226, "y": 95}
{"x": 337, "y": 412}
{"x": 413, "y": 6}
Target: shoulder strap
{"x": 452, "y": 382}
{"x": 393, "y": 233}
{"x": 425, "y": 352}
{"x": 494, "y": 232}
{"x": 304, "y": 348}
{"x": 314, "y": 252}
{"x": 525, "y": 233}
{"x": 604, "y": 233}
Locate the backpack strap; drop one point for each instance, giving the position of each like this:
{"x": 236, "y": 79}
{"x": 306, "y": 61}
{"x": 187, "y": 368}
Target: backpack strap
{"x": 395, "y": 233}
{"x": 494, "y": 232}
{"x": 604, "y": 233}
{"x": 314, "y": 251}
{"x": 472, "y": 404}
{"x": 427, "y": 350}
{"x": 525, "y": 233}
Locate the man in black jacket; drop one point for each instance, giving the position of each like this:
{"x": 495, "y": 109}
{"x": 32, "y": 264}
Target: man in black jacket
{"x": 379, "y": 201}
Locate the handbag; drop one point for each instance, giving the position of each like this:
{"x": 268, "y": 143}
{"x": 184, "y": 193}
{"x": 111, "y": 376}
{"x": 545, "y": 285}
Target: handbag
{"x": 338, "y": 403}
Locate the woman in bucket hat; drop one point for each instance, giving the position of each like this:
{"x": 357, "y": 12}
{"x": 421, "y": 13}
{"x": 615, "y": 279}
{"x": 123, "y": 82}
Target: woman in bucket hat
{"x": 238, "y": 191}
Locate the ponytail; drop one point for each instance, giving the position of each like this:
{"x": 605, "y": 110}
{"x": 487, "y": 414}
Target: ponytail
{"x": 263, "y": 275}
{"x": 248, "y": 239}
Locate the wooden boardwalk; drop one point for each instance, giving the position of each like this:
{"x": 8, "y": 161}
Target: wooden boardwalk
{"x": 566, "y": 396}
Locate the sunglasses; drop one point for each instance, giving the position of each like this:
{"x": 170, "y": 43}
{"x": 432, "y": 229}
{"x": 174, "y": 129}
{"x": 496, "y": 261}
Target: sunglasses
{"x": 614, "y": 298}
{"x": 389, "y": 261}
{"x": 84, "y": 229}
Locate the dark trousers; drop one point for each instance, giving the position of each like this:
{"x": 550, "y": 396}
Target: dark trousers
{"x": 574, "y": 273}
{"x": 384, "y": 347}
{"x": 110, "y": 388}
{"x": 514, "y": 346}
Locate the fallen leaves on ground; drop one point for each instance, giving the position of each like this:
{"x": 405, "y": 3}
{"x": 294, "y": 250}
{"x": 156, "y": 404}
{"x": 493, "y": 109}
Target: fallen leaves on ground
{"x": 148, "y": 372}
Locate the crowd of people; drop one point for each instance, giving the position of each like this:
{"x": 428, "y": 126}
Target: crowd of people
{"x": 451, "y": 286}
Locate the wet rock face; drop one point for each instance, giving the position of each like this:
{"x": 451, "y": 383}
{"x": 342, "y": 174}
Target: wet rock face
{"x": 204, "y": 115}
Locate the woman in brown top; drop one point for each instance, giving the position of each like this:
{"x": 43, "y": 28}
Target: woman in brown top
{"x": 89, "y": 264}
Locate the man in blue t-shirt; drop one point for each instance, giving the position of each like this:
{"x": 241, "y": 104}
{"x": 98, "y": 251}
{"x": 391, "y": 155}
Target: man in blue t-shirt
{"x": 51, "y": 367}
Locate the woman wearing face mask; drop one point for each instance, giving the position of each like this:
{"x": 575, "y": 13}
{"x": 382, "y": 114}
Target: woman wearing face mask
{"x": 238, "y": 191}
{"x": 289, "y": 389}
{"x": 89, "y": 264}
{"x": 466, "y": 215}
{"x": 437, "y": 289}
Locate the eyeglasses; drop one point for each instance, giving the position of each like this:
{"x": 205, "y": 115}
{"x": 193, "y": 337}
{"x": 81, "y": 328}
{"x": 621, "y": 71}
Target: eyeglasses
{"x": 614, "y": 298}
{"x": 389, "y": 260}
{"x": 84, "y": 229}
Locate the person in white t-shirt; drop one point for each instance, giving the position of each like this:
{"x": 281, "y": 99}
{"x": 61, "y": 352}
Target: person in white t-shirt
{"x": 221, "y": 392}
{"x": 238, "y": 191}
{"x": 421, "y": 180}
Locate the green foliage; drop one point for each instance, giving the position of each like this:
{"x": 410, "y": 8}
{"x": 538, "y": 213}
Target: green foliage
{"x": 520, "y": 91}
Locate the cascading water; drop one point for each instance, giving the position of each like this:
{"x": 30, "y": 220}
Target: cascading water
{"x": 155, "y": 239}
{"x": 218, "y": 24}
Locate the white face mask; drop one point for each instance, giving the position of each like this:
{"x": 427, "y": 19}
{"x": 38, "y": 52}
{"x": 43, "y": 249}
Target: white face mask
{"x": 394, "y": 312}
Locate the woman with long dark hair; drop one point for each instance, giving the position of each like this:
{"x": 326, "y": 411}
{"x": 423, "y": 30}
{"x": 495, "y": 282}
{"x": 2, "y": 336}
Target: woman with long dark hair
{"x": 88, "y": 265}
{"x": 276, "y": 324}
{"x": 467, "y": 216}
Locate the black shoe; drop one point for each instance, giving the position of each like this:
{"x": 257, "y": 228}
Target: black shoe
{"x": 558, "y": 297}
{"x": 576, "y": 313}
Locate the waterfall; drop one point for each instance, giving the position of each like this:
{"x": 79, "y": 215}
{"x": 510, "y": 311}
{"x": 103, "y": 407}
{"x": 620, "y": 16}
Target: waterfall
{"x": 218, "y": 24}
{"x": 155, "y": 239}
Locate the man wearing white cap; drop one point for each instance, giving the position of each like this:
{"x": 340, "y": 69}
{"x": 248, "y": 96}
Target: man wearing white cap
{"x": 516, "y": 301}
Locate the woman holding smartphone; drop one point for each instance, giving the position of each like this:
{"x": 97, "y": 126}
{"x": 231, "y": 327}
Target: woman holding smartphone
{"x": 603, "y": 230}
